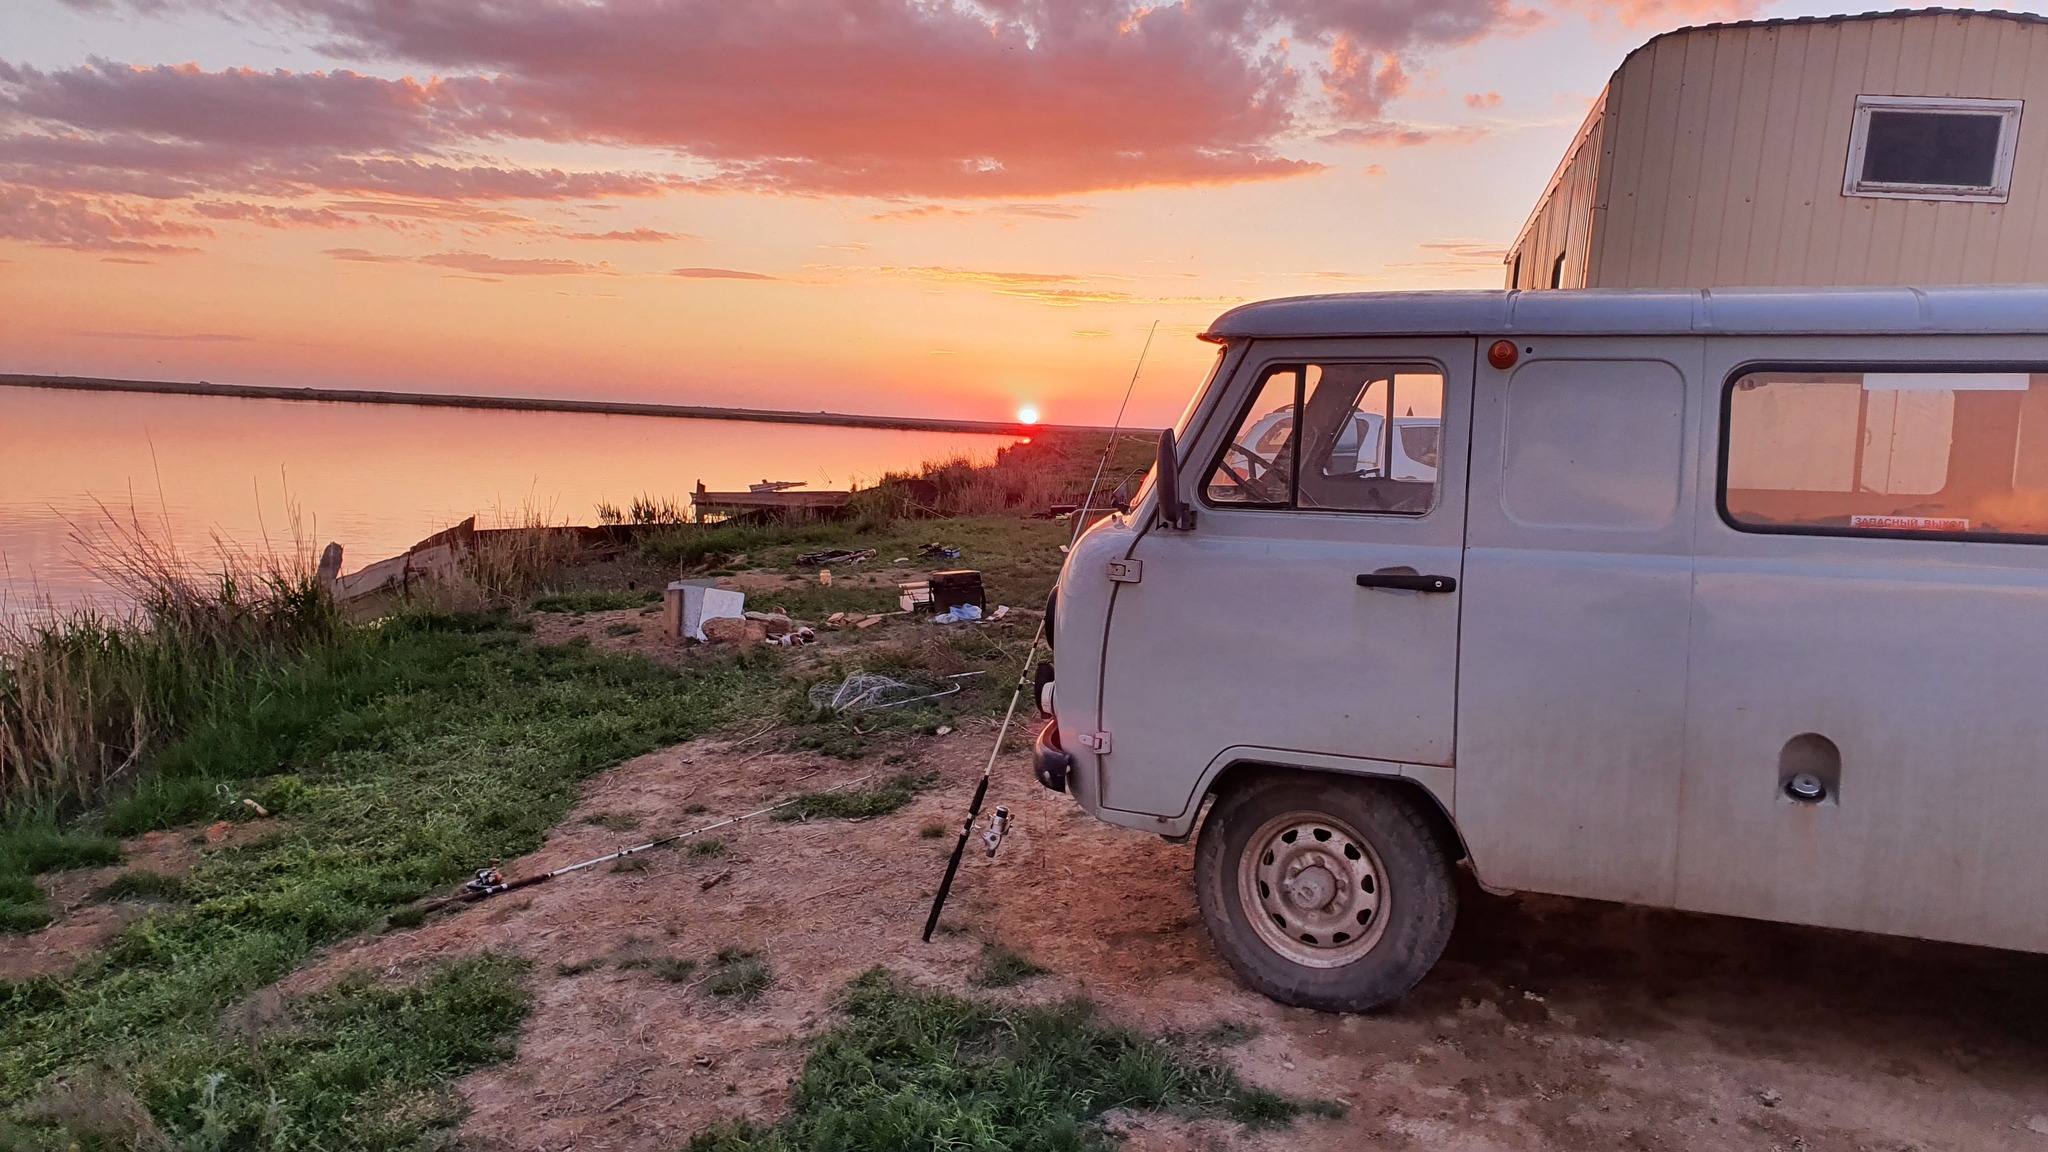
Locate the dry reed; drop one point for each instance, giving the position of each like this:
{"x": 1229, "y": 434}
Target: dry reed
{"x": 86, "y": 696}
{"x": 525, "y": 555}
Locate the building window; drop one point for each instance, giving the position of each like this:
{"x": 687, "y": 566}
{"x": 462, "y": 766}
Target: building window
{"x": 1557, "y": 271}
{"x": 1932, "y": 148}
{"x": 1960, "y": 453}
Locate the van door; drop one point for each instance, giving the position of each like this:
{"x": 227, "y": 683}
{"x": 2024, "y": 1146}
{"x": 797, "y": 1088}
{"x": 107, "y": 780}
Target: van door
{"x": 1869, "y": 611}
{"x": 1313, "y": 607}
{"x": 1578, "y": 585}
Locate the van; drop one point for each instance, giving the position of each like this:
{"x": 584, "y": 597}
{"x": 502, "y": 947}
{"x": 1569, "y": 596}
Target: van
{"x": 1733, "y": 601}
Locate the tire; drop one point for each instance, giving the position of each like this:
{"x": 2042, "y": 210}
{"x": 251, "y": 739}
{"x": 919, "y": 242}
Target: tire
{"x": 1354, "y": 903}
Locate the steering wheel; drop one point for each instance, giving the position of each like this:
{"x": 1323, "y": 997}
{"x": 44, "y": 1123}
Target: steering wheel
{"x": 1258, "y": 485}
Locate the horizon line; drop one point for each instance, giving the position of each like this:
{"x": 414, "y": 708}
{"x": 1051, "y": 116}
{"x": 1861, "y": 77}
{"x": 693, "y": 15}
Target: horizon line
{"x": 545, "y": 404}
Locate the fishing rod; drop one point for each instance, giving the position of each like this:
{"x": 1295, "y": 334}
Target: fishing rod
{"x": 1000, "y": 825}
{"x": 490, "y": 882}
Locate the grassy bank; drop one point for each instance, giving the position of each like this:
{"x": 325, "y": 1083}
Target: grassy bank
{"x": 397, "y": 762}
{"x": 399, "y": 755}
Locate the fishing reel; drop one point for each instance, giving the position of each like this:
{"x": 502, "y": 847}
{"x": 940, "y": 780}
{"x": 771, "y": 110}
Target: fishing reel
{"x": 486, "y": 880}
{"x": 998, "y": 827}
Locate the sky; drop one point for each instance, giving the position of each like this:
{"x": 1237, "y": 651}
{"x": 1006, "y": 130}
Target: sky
{"x": 943, "y": 207}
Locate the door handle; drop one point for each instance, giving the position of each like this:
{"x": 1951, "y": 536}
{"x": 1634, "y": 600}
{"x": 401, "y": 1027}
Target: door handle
{"x": 1407, "y": 580}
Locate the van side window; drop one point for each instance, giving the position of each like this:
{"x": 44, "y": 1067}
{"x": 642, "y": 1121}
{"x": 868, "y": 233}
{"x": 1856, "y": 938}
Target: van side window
{"x": 1336, "y": 437}
{"x": 1953, "y": 453}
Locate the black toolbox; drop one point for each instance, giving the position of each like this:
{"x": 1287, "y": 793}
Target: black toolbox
{"x": 952, "y": 589}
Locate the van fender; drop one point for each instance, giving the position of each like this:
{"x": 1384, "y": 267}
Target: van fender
{"x": 1436, "y": 782}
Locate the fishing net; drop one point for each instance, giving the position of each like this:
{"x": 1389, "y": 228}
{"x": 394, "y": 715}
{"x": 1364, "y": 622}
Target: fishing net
{"x": 861, "y": 692}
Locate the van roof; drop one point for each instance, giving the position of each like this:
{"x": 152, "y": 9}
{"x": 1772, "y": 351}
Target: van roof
{"x": 2021, "y": 310}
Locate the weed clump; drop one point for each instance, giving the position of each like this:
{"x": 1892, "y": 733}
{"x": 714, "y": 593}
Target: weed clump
{"x": 880, "y": 800}
{"x": 707, "y": 848}
{"x": 741, "y": 976}
{"x": 909, "y": 1068}
{"x": 1003, "y": 968}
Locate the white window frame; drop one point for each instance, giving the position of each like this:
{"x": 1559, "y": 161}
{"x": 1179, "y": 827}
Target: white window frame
{"x": 2008, "y": 112}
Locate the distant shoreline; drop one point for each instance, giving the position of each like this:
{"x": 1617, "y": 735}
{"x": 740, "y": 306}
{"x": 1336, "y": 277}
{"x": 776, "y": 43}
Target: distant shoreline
{"x": 543, "y": 404}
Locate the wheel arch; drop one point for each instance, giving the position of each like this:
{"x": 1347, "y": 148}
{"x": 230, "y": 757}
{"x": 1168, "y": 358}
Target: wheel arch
{"x": 1236, "y": 771}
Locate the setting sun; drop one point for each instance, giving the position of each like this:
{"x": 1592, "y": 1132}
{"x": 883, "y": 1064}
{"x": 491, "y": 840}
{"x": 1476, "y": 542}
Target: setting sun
{"x": 1027, "y": 415}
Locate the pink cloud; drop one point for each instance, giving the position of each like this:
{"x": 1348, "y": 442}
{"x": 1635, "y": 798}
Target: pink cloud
{"x": 60, "y": 220}
{"x": 1388, "y": 134}
{"x": 1666, "y": 14}
{"x": 479, "y": 265}
{"x": 1015, "y": 101}
{"x": 719, "y": 274}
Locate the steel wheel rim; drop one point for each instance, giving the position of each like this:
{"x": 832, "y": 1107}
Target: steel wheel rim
{"x": 1313, "y": 889}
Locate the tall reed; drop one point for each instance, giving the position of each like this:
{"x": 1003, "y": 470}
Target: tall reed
{"x": 86, "y": 696}
{"x": 525, "y": 554}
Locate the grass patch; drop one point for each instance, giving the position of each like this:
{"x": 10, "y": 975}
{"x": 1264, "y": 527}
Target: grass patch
{"x": 139, "y": 884}
{"x": 22, "y": 908}
{"x": 674, "y": 969}
{"x": 740, "y": 976}
{"x": 707, "y": 848}
{"x": 631, "y": 864}
{"x": 601, "y": 600}
{"x": 909, "y": 1068}
{"x": 35, "y": 847}
{"x": 931, "y": 832}
{"x": 880, "y": 800}
{"x": 616, "y": 631}
{"x": 360, "y": 1066}
{"x": 421, "y": 749}
{"x": 1003, "y": 968}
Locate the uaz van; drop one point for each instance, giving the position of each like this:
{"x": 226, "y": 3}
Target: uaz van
{"x": 1732, "y": 601}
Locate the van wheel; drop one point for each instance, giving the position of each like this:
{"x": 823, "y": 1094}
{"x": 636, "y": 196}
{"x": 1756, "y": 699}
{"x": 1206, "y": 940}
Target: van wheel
{"x": 1324, "y": 892}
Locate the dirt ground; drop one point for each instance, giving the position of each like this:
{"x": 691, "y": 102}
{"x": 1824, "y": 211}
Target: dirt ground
{"x": 1550, "y": 1024}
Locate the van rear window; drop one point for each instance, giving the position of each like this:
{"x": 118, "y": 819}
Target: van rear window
{"x": 1883, "y": 452}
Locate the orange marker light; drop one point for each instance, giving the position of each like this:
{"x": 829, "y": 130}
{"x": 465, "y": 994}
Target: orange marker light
{"x": 1502, "y": 354}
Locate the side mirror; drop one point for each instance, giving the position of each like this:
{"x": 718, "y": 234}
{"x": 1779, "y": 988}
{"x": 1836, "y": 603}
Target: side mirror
{"x": 1173, "y": 511}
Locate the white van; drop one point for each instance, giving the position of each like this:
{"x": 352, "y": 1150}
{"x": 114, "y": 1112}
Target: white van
{"x": 1732, "y": 601}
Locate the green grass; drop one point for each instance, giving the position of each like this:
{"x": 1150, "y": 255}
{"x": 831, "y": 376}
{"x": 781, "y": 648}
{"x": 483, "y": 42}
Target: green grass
{"x": 32, "y": 845}
{"x": 359, "y": 1066}
{"x": 909, "y": 1068}
{"x": 140, "y": 884}
{"x": 404, "y": 760}
{"x": 858, "y": 804}
{"x": 739, "y": 975}
{"x": 601, "y": 600}
{"x": 1003, "y": 968}
{"x": 22, "y": 908}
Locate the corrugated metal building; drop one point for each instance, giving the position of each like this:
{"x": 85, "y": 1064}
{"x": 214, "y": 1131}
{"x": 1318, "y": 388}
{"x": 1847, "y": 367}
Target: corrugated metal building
{"x": 1884, "y": 148}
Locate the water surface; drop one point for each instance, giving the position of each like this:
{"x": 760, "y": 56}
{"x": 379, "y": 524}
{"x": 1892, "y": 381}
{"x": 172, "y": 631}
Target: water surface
{"x": 373, "y": 478}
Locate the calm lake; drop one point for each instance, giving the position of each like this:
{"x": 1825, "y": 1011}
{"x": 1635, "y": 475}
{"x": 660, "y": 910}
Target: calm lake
{"x": 374, "y": 478}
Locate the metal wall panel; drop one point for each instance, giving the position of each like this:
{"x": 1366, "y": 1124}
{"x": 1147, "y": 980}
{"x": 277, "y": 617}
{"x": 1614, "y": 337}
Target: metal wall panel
{"x": 1723, "y": 147}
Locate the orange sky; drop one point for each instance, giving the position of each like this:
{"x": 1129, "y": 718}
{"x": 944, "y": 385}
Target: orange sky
{"x": 866, "y": 205}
